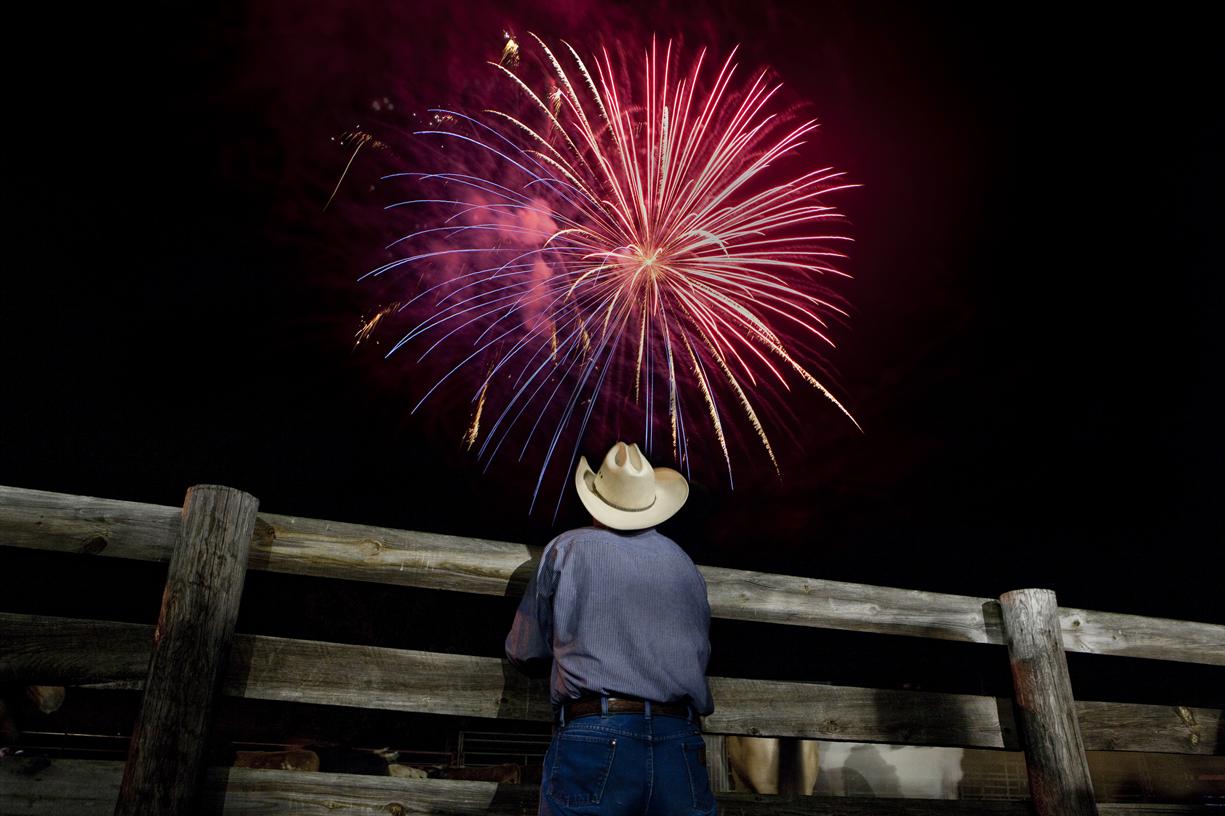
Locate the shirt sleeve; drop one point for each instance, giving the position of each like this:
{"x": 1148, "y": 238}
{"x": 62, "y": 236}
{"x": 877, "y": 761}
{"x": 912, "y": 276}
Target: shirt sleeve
{"x": 529, "y": 646}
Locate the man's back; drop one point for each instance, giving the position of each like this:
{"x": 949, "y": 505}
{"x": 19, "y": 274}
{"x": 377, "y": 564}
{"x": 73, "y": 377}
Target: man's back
{"x": 623, "y": 613}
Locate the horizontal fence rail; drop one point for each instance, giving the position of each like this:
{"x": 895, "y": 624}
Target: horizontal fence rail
{"x": 67, "y": 651}
{"x": 90, "y": 787}
{"x": 104, "y": 527}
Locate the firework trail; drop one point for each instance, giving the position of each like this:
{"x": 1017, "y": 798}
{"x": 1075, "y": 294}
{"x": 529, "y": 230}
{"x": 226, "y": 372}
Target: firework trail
{"x": 621, "y": 243}
{"x": 357, "y": 139}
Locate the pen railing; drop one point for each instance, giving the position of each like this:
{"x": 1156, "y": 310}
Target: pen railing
{"x": 193, "y": 654}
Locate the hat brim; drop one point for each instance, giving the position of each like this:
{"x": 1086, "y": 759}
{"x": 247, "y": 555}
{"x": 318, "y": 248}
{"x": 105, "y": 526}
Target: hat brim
{"x": 671, "y": 491}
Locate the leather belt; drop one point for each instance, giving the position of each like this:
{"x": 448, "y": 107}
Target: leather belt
{"x": 621, "y": 705}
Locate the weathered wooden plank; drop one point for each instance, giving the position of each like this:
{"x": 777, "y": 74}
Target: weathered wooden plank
{"x": 1059, "y": 782}
{"x": 716, "y": 762}
{"x": 780, "y": 709}
{"x": 80, "y": 651}
{"x": 191, "y": 649}
{"x": 331, "y": 549}
{"x": 1114, "y": 633}
{"x": 337, "y": 794}
{"x": 760, "y": 596}
{"x": 39, "y": 520}
{"x": 1158, "y": 729}
{"x": 370, "y": 677}
{"x": 1144, "y": 809}
{"x": 363, "y": 553}
{"x": 34, "y": 786}
{"x": 394, "y": 679}
{"x": 89, "y": 788}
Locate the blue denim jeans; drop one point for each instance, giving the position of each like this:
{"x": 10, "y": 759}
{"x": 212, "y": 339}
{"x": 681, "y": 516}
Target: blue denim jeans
{"x": 614, "y": 764}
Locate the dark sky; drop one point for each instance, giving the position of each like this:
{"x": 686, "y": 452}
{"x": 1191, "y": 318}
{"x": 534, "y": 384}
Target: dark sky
{"x": 1034, "y": 351}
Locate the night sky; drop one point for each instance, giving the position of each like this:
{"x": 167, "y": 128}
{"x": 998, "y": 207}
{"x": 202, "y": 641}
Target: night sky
{"x": 1035, "y": 344}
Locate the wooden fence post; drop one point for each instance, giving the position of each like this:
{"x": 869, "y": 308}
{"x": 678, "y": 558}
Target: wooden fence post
{"x": 190, "y": 648}
{"x": 716, "y": 762}
{"x": 1059, "y": 782}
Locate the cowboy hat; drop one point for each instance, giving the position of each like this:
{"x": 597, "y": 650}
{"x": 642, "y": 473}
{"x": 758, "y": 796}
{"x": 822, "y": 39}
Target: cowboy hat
{"x": 627, "y": 493}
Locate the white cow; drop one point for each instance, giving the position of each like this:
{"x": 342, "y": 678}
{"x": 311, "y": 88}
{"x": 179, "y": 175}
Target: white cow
{"x": 856, "y": 769}
{"x": 769, "y": 765}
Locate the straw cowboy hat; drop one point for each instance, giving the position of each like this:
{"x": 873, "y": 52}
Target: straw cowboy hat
{"x": 627, "y": 493}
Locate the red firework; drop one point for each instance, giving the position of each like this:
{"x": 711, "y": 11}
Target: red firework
{"x": 623, "y": 244}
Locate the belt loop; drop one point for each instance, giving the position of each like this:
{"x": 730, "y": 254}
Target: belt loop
{"x": 563, "y": 715}
{"x": 603, "y": 706}
{"x": 689, "y": 712}
{"x": 646, "y": 708}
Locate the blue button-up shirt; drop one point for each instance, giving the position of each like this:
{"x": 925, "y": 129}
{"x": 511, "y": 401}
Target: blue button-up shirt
{"x": 621, "y": 614}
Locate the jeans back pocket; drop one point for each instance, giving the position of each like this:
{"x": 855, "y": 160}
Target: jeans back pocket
{"x": 699, "y": 775}
{"x": 580, "y": 767}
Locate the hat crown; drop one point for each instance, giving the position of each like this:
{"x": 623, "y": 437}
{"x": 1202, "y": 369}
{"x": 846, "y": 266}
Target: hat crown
{"x": 627, "y": 493}
{"x": 626, "y": 479}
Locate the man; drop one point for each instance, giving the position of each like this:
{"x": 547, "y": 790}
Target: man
{"x": 622, "y": 612}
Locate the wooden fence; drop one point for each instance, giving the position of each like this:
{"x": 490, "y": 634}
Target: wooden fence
{"x": 193, "y": 653}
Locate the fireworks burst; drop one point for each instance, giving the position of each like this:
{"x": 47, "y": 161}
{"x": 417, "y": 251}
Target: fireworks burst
{"x": 623, "y": 245}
